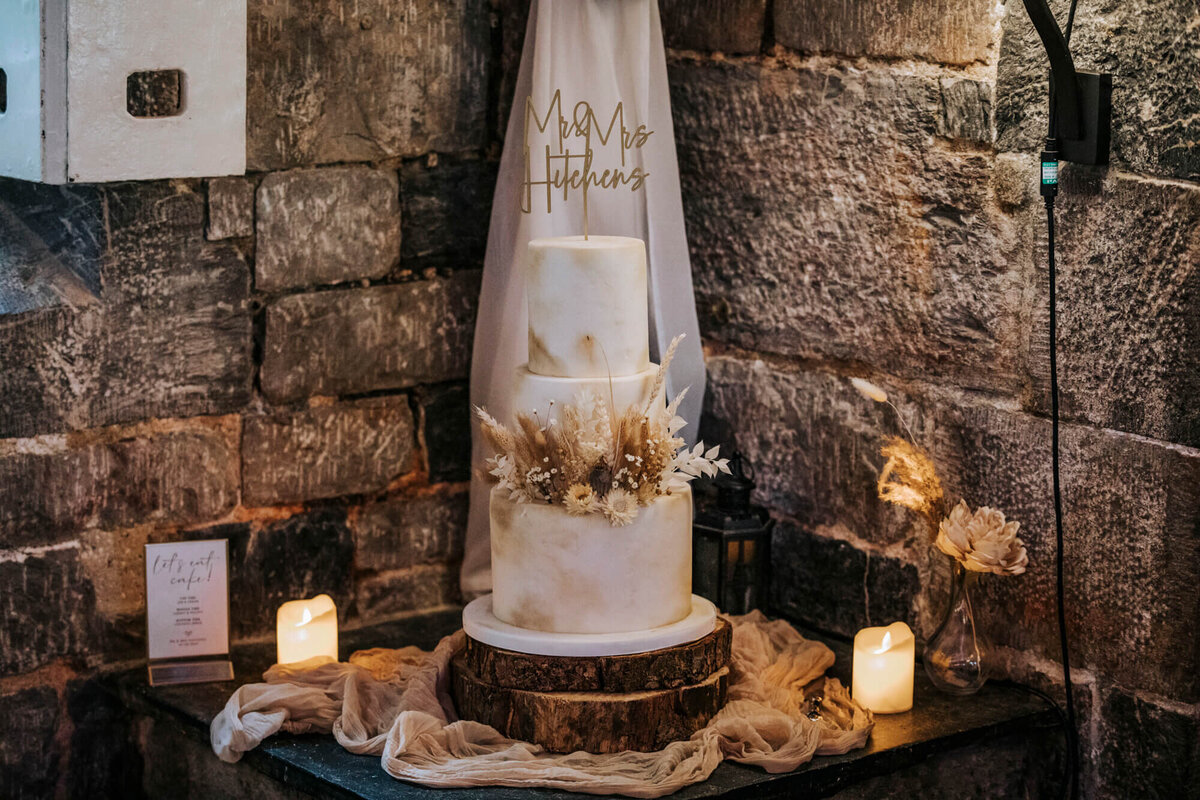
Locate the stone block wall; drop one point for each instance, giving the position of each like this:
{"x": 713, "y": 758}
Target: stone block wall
{"x": 278, "y": 359}
{"x": 859, "y": 185}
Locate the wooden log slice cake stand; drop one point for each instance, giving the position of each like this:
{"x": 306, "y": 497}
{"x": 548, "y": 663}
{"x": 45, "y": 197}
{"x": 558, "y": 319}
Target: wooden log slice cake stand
{"x": 601, "y": 704}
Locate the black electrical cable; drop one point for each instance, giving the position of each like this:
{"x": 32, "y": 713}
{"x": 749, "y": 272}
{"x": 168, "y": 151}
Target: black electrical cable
{"x": 1071, "y": 730}
{"x": 1049, "y": 189}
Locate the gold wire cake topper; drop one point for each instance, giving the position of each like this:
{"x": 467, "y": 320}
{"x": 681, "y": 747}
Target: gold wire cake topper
{"x": 568, "y": 171}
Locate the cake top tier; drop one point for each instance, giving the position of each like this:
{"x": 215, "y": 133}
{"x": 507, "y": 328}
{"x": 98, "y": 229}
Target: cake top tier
{"x": 587, "y": 306}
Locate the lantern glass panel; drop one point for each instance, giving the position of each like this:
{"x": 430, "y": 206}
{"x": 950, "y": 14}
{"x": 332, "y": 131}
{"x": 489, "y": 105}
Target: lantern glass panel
{"x": 706, "y": 566}
{"x": 743, "y": 572}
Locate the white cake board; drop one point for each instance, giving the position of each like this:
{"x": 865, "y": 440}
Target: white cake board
{"x": 483, "y": 626}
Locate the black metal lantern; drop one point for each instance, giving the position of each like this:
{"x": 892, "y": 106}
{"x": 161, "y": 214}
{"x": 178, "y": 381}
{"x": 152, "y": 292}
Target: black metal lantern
{"x": 731, "y": 544}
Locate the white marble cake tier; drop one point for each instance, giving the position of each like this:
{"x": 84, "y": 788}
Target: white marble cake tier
{"x": 587, "y": 306}
{"x": 559, "y": 573}
{"x": 546, "y": 394}
{"x": 482, "y": 625}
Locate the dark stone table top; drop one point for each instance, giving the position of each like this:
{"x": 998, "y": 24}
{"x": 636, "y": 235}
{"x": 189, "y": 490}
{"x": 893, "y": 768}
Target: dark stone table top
{"x": 318, "y": 765}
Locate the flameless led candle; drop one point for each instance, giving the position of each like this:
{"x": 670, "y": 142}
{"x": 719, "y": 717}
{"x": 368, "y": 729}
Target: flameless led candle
{"x": 305, "y": 629}
{"x": 883, "y": 668}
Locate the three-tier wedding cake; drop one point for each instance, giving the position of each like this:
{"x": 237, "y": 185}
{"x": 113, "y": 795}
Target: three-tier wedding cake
{"x": 591, "y": 515}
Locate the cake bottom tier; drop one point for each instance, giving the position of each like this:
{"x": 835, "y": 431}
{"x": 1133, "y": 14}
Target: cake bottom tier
{"x": 565, "y": 574}
{"x": 598, "y": 722}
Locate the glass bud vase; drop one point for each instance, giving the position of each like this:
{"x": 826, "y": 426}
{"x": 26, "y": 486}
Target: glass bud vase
{"x": 957, "y": 655}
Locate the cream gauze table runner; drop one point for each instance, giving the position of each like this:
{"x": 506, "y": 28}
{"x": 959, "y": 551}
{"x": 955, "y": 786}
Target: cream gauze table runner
{"x": 396, "y": 705}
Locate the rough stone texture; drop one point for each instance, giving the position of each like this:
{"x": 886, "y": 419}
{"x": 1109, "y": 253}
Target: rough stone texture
{"x": 1148, "y": 749}
{"x": 230, "y": 208}
{"x": 67, "y": 221}
{"x": 47, "y": 608}
{"x": 444, "y": 430}
{"x": 512, "y": 17}
{"x": 166, "y": 473}
{"x": 30, "y": 757}
{"x": 446, "y": 211}
{"x": 729, "y": 26}
{"x": 179, "y": 765}
{"x": 33, "y": 275}
{"x": 1152, "y": 48}
{"x": 271, "y": 563}
{"x": 391, "y": 593}
{"x": 364, "y": 81}
{"x": 363, "y": 340}
{"x": 350, "y": 448}
{"x": 403, "y": 532}
{"x": 350, "y": 218}
{"x": 837, "y": 587}
{"x": 177, "y": 320}
{"x": 170, "y": 337}
{"x": 154, "y": 93}
{"x": 1129, "y": 306}
{"x": 44, "y": 351}
{"x": 966, "y": 111}
{"x": 104, "y": 761}
{"x": 824, "y": 222}
{"x": 943, "y": 31}
{"x": 1131, "y": 507}
{"x": 814, "y": 443}
{"x": 115, "y": 563}
{"x": 1014, "y": 766}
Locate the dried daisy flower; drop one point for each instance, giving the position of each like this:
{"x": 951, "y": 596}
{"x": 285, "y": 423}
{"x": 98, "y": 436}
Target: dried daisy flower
{"x": 909, "y": 479}
{"x": 580, "y": 499}
{"x": 620, "y": 507}
{"x": 983, "y": 541}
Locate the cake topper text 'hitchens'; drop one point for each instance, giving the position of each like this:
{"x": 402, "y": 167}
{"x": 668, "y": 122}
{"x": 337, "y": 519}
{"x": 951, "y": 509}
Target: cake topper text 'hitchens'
{"x": 569, "y": 157}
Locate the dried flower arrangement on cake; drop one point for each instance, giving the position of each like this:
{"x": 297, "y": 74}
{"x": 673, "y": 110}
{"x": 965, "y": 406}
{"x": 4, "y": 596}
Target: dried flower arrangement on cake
{"x": 592, "y": 459}
{"x": 983, "y": 541}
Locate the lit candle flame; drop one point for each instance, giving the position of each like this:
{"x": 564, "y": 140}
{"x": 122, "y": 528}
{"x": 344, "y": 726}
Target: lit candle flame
{"x": 308, "y": 617}
{"x": 884, "y": 646}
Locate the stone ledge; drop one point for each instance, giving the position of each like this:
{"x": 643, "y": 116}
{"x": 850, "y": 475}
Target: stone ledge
{"x": 1001, "y": 726}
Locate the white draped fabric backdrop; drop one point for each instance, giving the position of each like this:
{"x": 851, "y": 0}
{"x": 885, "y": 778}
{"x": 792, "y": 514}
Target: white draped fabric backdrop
{"x": 603, "y": 52}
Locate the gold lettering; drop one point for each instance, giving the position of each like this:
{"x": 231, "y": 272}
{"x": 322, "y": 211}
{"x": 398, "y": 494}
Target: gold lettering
{"x": 572, "y": 172}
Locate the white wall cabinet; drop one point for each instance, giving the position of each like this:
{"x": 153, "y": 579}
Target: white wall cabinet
{"x": 107, "y": 90}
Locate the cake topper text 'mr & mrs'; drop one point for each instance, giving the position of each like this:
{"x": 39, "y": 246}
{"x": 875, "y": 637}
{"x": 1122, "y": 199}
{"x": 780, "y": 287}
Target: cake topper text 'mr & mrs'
{"x": 569, "y": 161}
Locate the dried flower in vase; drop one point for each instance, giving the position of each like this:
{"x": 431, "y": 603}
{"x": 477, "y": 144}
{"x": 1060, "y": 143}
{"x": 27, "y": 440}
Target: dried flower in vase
{"x": 983, "y": 541}
{"x": 592, "y": 460}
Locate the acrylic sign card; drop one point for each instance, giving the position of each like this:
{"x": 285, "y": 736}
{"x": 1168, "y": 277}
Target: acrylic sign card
{"x": 187, "y": 611}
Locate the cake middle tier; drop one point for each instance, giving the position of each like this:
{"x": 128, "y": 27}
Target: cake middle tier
{"x": 587, "y": 306}
{"x": 545, "y": 394}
